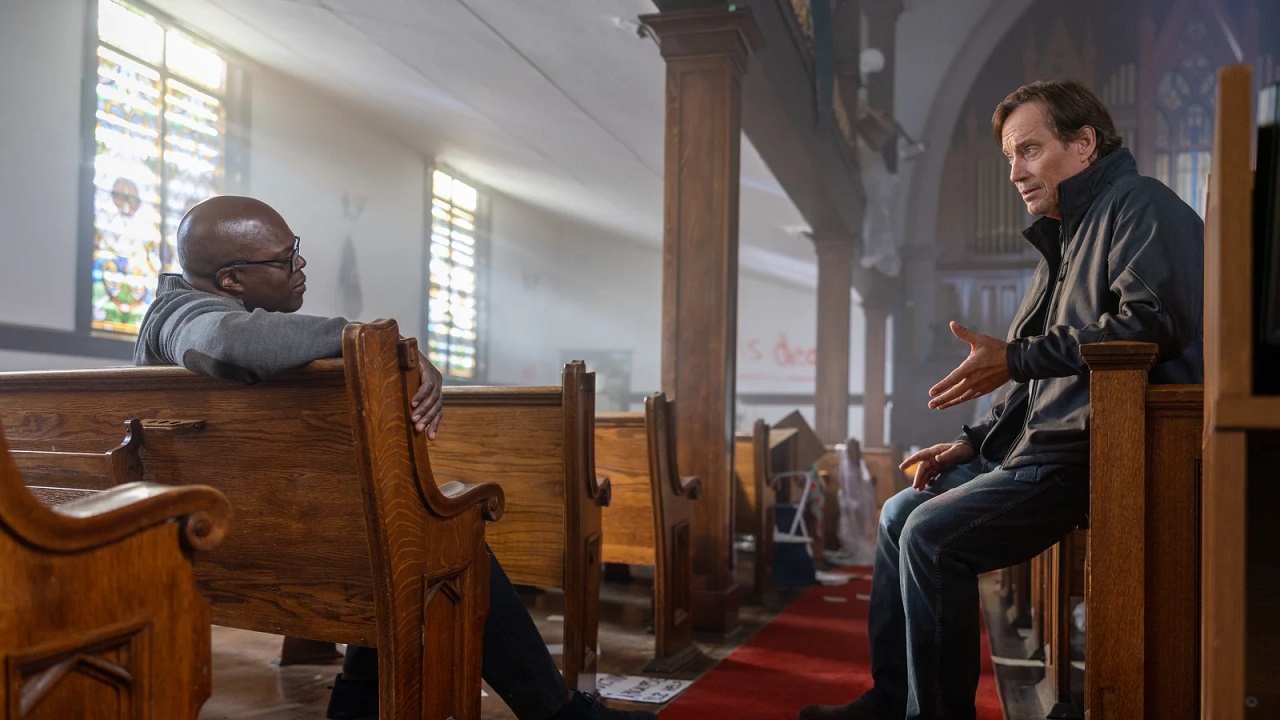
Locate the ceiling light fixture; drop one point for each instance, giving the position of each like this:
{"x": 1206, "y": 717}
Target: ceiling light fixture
{"x": 632, "y": 27}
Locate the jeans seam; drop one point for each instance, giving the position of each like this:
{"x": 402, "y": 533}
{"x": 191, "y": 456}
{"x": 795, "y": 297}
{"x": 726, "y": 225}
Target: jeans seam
{"x": 937, "y": 579}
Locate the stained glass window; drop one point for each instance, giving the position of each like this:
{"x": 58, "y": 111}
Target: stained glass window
{"x": 452, "y": 308}
{"x": 1184, "y": 123}
{"x": 159, "y": 132}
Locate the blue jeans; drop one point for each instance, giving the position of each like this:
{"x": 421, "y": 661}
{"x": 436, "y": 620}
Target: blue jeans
{"x": 932, "y": 545}
{"x": 515, "y": 661}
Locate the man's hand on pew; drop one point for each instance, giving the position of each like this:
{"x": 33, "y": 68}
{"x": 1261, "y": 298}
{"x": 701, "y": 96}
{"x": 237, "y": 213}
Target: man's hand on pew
{"x": 931, "y": 461}
{"x": 986, "y": 369}
{"x": 428, "y": 401}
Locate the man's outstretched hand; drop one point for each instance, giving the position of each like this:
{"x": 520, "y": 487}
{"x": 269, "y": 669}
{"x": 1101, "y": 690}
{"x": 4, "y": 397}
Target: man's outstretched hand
{"x": 933, "y": 460}
{"x": 428, "y": 402}
{"x": 986, "y": 369}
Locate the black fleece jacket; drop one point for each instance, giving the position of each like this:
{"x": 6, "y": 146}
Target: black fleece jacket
{"x": 1126, "y": 262}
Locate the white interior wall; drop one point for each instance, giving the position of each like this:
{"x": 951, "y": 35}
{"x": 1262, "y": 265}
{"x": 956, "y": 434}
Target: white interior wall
{"x": 42, "y": 47}
{"x": 306, "y": 153}
{"x": 555, "y": 286}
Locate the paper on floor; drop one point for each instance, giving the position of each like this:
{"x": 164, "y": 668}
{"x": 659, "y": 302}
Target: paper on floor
{"x": 830, "y": 578}
{"x": 637, "y": 688}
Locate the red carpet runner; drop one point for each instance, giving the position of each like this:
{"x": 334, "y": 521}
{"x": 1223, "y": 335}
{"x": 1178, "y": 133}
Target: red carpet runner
{"x": 814, "y": 651}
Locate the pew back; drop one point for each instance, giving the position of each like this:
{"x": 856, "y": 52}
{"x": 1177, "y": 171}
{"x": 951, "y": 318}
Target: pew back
{"x": 755, "y": 499}
{"x": 538, "y": 443}
{"x": 302, "y": 460}
{"x": 649, "y": 519}
{"x": 622, "y": 455}
{"x": 342, "y": 533}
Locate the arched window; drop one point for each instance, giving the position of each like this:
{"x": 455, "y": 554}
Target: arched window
{"x": 159, "y": 130}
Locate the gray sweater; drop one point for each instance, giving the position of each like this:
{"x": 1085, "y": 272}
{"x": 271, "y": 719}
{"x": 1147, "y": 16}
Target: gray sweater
{"x": 216, "y": 336}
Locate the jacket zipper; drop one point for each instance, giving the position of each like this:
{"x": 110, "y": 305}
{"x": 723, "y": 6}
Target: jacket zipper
{"x": 1048, "y": 313}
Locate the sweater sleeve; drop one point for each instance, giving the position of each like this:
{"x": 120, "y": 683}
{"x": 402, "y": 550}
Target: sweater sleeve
{"x": 210, "y": 338}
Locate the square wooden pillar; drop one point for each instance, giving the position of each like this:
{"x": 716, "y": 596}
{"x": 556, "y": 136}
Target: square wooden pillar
{"x": 874, "y": 394}
{"x": 835, "y": 282}
{"x": 706, "y": 52}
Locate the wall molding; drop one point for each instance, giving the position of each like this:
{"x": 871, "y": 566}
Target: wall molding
{"x": 27, "y": 338}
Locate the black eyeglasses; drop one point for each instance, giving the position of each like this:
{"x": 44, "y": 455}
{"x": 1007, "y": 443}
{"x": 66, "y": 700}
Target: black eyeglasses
{"x": 291, "y": 262}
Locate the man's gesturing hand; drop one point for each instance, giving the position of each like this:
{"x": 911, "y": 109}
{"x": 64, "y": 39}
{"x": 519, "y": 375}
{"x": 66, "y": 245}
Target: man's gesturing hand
{"x": 428, "y": 401}
{"x": 934, "y": 460}
{"x": 986, "y": 369}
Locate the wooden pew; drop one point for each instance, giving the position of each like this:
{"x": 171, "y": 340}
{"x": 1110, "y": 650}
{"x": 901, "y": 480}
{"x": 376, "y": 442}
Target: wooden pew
{"x": 755, "y": 500}
{"x": 882, "y": 463}
{"x": 647, "y": 522}
{"x": 102, "y": 618}
{"x": 1061, "y": 579}
{"x": 538, "y": 443}
{"x": 1142, "y": 641}
{"x": 341, "y": 532}
{"x": 1016, "y": 592}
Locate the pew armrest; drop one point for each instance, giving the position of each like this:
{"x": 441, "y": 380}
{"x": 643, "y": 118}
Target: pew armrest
{"x": 456, "y": 496}
{"x": 603, "y": 490}
{"x": 689, "y": 486}
{"x": 108, "y": 516}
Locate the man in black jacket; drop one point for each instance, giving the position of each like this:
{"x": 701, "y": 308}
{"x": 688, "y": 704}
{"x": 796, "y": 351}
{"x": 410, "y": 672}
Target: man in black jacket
{"x": 1122, "y": 260}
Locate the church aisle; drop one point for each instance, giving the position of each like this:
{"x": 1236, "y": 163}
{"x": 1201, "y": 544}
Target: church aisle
{"x": 815, "y": 651}
{"x": 248, "y": 686}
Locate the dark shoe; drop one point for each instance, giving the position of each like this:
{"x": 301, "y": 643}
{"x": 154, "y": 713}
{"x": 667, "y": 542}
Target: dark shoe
{"x": 586, "y": 707}
{"x": 860, "y": 709}
{"x": 353, "y": 700}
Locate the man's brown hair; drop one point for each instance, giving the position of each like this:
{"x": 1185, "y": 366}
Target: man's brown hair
{"x": 1069, "y": 106}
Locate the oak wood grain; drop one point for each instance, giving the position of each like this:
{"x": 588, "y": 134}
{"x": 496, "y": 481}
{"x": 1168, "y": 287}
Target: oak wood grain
{"x": 538, "y": 444}
{"x": 102, "y": 617}
{"x": 648, "y": 521}
{"x": 342, "y": 532}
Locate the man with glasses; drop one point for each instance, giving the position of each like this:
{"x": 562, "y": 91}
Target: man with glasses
{"x": 232, "y": 314}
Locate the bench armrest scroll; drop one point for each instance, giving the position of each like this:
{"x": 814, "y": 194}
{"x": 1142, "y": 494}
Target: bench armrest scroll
{"x": 110, "y": 515}
{"x": 456, "y": 496}
{"x": 600, "y": 489}
{"x": 689, "y": 486}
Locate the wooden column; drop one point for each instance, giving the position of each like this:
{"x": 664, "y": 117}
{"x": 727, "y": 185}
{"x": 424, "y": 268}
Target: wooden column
{"x": 835, "y": 280}
{"x": 873, "y": 388}
{"x": 706, "y": 53}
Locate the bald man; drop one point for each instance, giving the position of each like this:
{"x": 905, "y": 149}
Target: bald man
{"x": 232, "y": 314}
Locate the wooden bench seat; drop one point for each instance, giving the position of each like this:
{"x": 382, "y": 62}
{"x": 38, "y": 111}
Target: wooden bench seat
{"x": 648, "y": 520}
{"x": 102, "y": 618}
{"x": 341, "y": 531}
{"x": 537, "y": 442}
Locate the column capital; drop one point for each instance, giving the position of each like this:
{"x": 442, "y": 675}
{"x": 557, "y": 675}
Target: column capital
{"x": 704, "y": 32}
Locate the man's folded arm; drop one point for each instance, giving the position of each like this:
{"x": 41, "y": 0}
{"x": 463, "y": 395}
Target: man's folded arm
{"x": 247, "y": 346}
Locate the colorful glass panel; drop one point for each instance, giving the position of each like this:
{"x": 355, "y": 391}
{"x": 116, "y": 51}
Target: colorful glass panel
{"x": 451, "y": 300}
{"x": 160, "y": 148}
{"x": 194, "y": 61}
{"x": 1184, "y": 123}
{"x": 131, "y": 30}
{"x": 126, "y": 192}
{"x": 194, "y": 150}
